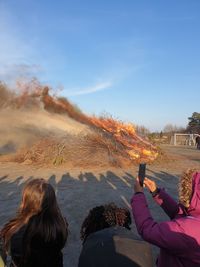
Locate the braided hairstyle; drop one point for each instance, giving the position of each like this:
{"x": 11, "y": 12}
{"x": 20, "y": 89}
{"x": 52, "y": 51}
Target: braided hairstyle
{"x": 105, "y": 216}
{"x": 185, "y": 187}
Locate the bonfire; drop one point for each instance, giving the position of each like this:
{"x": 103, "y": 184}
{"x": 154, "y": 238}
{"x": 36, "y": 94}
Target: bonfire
{"x": 119, "y": 139}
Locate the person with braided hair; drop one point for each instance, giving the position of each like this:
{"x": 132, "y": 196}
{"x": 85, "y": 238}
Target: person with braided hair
{"x": 108, "y": 241}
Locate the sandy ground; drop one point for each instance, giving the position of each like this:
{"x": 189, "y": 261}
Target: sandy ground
{"x": 80, "y": 190}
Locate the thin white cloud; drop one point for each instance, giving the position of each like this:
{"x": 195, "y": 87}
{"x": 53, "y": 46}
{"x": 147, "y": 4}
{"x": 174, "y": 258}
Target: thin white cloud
{"x": 90, "y": 90}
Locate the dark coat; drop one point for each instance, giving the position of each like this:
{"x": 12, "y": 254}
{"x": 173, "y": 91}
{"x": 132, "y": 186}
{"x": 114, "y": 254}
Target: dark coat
{"x": 42, "y": 254}
{"x": 117, "y": 247}
{"x": 197, "y": 140}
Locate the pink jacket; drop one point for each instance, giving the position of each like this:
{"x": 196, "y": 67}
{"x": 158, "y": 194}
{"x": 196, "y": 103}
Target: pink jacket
{"x": 178, "y": 238}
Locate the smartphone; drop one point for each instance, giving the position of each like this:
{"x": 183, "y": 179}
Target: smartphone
{"x": 141, "y": 173}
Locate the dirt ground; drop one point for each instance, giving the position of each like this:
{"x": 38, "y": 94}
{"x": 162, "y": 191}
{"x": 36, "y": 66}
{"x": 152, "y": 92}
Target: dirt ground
{"x": 80, "y": 190}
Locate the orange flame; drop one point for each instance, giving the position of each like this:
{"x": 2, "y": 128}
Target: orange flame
{"x": 136, "y": 147}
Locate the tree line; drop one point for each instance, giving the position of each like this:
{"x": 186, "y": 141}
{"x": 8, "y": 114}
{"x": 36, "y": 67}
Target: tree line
{"x": 193, "y": 126}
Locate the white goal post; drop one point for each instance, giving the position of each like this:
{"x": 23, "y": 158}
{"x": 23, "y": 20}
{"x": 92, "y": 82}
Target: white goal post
{"x": 184, "y": 139}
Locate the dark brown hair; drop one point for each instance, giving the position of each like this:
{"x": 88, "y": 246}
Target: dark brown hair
{"x": 105, "y": 216}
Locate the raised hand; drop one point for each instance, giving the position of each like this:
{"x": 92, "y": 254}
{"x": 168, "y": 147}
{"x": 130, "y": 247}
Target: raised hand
{"x": 150, "y": 184}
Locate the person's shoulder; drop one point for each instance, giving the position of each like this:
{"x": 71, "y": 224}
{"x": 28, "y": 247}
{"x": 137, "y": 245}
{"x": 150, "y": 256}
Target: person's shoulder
{"x": 119, "y": 245}
{"x": 110, "y": 233}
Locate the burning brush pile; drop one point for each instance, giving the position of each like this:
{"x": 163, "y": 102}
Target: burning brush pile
{"x": 101, "y": 141}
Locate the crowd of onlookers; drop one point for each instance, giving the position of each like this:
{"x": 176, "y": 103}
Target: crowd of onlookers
{"x": 37, "y": 234}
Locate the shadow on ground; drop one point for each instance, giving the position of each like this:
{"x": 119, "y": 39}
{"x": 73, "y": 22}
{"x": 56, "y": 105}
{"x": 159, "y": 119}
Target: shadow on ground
{"x": 77, "y": 195}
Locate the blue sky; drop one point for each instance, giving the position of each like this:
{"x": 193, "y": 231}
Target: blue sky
{"x": 136, "y": 60}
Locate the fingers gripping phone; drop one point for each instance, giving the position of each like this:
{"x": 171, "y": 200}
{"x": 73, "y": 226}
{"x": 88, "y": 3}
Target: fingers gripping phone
{"x": 141, "y": 173}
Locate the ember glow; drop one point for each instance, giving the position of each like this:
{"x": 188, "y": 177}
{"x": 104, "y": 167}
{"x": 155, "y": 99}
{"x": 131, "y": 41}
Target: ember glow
{"x": 136, "y": 148}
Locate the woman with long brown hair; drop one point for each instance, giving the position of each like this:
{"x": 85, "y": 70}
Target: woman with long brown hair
{"x": 38, "y": 233}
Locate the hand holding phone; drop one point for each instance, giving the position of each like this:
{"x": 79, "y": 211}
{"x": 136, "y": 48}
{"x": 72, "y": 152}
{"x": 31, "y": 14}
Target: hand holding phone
{"x": 141, "y": 173}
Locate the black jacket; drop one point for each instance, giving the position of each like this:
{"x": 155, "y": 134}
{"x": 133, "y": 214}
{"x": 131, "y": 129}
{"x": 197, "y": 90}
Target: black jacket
{"x": 42, "y": 254}
{"x": 115, "y": 247}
